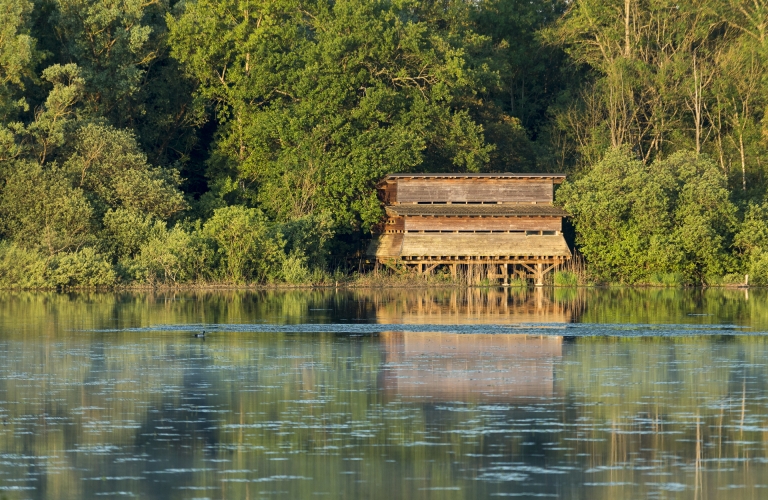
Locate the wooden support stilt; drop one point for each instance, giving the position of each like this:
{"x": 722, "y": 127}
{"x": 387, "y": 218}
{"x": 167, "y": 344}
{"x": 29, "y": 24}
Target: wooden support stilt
{"x": 539, "y": 274}
{"x": 388, "y": 263}
{"x": 476, "y": 269}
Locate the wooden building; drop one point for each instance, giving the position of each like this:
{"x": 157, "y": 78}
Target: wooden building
{"x": 485, "y": 225}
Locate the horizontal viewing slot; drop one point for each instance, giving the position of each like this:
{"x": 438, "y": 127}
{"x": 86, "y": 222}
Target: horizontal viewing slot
{"x": 467, "y": 203}
{"x": 464, "y": 231}
{"x": 491, "y": 259}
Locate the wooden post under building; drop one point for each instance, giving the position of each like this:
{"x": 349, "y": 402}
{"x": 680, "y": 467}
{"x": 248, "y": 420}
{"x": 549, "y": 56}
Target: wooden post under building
{"x": 495, "y": 226}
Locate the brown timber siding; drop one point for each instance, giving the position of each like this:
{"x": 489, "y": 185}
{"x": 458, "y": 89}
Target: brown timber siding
{"x": 491, "y": 244}
{"x": 481, "y": 224}
{"x": 473, "y": 190}
{"x": 388, "y": 192}
{"x": 386, "y": 246}
{"x": 395, "y": 224}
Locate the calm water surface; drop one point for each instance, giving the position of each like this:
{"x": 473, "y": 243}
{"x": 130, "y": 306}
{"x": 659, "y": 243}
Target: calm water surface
{"x": 593, "y": 394}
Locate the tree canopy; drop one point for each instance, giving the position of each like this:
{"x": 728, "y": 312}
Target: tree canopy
{"x": 135, "y": 135}
{"x": 635, "y": 222}
{"x": 318, "y": 100}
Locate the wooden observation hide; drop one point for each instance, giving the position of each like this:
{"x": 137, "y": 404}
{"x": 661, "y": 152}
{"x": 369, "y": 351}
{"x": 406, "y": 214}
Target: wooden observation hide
{"x": 493, "y": 226}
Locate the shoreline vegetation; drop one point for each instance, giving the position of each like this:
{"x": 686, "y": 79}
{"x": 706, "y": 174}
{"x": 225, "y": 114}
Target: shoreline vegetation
{"x": 563, "y": 278}
{"x": 173, "y": 144}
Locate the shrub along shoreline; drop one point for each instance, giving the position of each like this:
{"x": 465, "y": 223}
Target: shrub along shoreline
{"x": 671, "y": 222}
{"x": 558, "y": 279}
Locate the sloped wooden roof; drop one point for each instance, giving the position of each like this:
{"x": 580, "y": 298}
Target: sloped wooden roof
{"x": 490, "y": 210}
{"x": 556, "y": 178}
{"x": 394, "y": 246}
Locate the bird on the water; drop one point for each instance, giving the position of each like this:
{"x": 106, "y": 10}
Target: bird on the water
{"x": 200, "y": 335}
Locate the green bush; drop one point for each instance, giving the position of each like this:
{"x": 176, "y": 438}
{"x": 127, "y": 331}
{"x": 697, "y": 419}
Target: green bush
{"x": 249, "y": 249}
{"x": 84, "y": 268}
{"x": 21, "y": 268}
{"x": 126, "y": 231}
{"x": 308, "y": 237}
{"x": 25, "y": 268}
{"x": 728, "y": 279}
{"x": 758, "y": 268}
{"x": 39, "y": 209}
{"x": 174, "y": 256}
{"x": 636, "y": 223}
{"x": 295, "y": 270}
{"x": 518, "y": 282}
{"x": 752, "y": 243}
{"x": 565, "y": 278}
{"x": 666, "y": 279}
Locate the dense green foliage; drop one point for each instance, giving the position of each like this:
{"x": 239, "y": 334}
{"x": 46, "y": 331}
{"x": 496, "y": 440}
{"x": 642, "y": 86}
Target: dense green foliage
{"x": 635, "y": 222}
{"x": 240, "y": 141}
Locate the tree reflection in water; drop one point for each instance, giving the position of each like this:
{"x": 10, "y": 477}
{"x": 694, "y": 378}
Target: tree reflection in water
{"x": 91, "y": 406}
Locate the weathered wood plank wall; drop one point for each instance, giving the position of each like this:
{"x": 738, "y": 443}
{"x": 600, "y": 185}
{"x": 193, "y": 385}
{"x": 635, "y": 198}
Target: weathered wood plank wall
{"x": 386, "y": 246}
{"x": 395, "y": 224}
{"x": 472, "y": 190}
{"x": 388, "y": 192}
{"x": 481, "y": 244}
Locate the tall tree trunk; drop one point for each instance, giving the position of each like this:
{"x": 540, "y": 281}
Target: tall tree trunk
{"x": 743, "y": 163}
{"x": 627, "y": 50}
{"x": 697, "y": 105}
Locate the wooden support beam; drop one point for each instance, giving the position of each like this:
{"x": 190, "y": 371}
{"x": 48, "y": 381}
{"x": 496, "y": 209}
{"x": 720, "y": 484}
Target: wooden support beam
{"x": 430, "y": 268}
{"x": 528, "y": 268}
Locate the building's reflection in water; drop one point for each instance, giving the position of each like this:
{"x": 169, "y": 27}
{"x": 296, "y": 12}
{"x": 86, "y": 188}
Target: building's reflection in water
{"x": 478, "y": 306}
{"x": 478, "y": 368}
{"x": 472, "y": 367}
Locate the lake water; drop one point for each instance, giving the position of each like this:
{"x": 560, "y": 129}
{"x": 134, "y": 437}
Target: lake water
{"x": 390, "y": 394}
